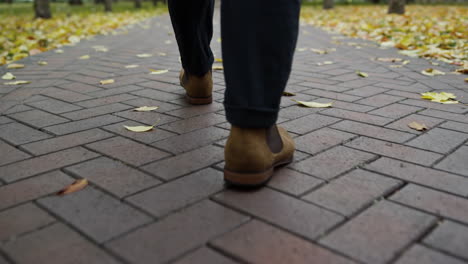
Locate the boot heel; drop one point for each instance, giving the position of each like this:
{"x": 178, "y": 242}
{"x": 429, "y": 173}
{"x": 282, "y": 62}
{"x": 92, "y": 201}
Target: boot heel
{"x": 199, "y": 101}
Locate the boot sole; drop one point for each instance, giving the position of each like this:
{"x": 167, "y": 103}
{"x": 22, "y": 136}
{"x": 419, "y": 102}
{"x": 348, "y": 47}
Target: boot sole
{"x": 252, "y": 180}
{"x": 199, "y": 101}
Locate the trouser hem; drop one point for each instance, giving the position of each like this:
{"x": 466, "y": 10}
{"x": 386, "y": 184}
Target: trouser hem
{"x": 251, "y": 117}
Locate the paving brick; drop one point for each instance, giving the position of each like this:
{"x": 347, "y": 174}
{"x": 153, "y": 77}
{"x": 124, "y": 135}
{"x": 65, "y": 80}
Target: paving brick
{"x": 449, "y": 237}
{"x": 321, "y": 139}
{"x": 161, "y": 200}
{"x": 194, "y": 123}
{"x": 366, "y": 91}
{"x": 163, "y": 106}
{"x": 333, "y": 162}
{"x": 372, "y": 131}
{"x": 421, "y": 175}
{"x": 439, "y": 140}
{"x": 147, "y": 138}
{"x": 395, "y": 110}
{"x": 256, "y": 242}
{"x": 455, "y": 162}
{"x": 283, "y": 210}
{"x": 65, "y": 95}
{"x": 44, "y": 246}
{"x": 420, "y": 254}
{"x": 79, "y": 87}
{"x": 380, "y": 100}
{"x": 192, "y": 111}
{"x": 22, "y": 219}
{"x": 293, "y": 182}
{"x": 192, "y": 140}
{"x": 5, "y": 120}
{"x": 98, "y": 215}
{"x": 402, "y": 124}
{"x": 350, "y": 106}
{"x": 148, "y": 118}
{"x": 67, "y": 141}
{"x": 17, "y": 109}
{"x": 360, "y": 117}
{"x": 54, "y": 106}
{"x": 34, "y": 166}
{"x": 333, "y": 95}
{"x": 185, "y": 163}
{"x": 157, "y": 95}
{"x": 379, "y": 233}
{"x": 106, "y": 100}
{"x": 309, "y": 123}
{"x": 432, "y": 201}
{"x": 114, "y": 91}
{"x": 445, "y": 115}
{"x": 18, "y": 134}
{"x": 84, "y": 124}
{"x": 454, "y": 108}
{"x": 113, "y": 176}
{"x": 128, "y": 151}
{"x": 181, "y": 232}
{"x": 32, "y": 188}
{"x": 455, "y": 126}
{"x": 293, "y": 112}
{"x": 9, "y": 154}
{"x": 96, "y": 111}
{"x": 205, "y": 255}
{"x": 394, "y": 150}
{"x": 38, "y": 118}
{"x": 3, "y": 261}
{"x": 352, "y": 191}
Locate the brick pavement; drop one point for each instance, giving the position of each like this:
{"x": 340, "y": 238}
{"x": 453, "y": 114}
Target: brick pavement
{"x": 364, "y": 188}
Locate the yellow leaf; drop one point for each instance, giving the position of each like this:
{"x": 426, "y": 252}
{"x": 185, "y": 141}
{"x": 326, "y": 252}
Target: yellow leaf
{"x": 405, "y": 62}
{"x": 442, "y": 97}
{"x": 8, "y": 76}
{"x": 362, "y": 74}
{"x": 84, "y": 57}
{"x": 168, "y": 42}
{"x": 100, "y": 48}
{"x": 218, "y": 60}
{"x": 318, "y": 51}
{"x": 131, "y": 66}
{"x": 328, "y": 62}
{"x": 158, "y": 71}
{"x": 17, "y": 82}
{"x": 219, "y": 40}
{"x": 396, "y": 66}
{"x": 145, "y": 108}
{"x": 389, "y": 59}
{"x": 42, "y": 63}
{"x": 15, "y": 66}
{"x": 313, "y": 104}
{"x": 288, "y": 94}
{"x": 466, "y": 79}
{"x": 432, "y": 72}
{"x": 139, "y": 128}
{"x": 417, "y": 126}
{"x": 59, "y": 51}
{"x": 107, "y": 81}
{"x": 218, "y": 68}
{"x": 74, "y": 187}
{"x": 144, "y": 55}
{"x": 162, "y": 54}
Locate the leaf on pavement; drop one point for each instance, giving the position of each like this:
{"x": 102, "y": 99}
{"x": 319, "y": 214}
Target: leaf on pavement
{"x": 42, "y": 63}
{"x": 74, "y": 187}
{"x": 466, "y": 79}
{"x": 139, "y": 128}
{"x": 162, "y": 54}
{"x": 84, "y": 57}
{"x": 313, "y": 104}
{"x": 17, "y": 82}
{"x": 389, "y": 59}
{"x": 362, "y": 74}
{"x": 8, "y": 76}
{"x": 100, "y": 48}
{"x": 132, "y": 66}
{"x": 218, "y": 68}
{"x": 145, "y": 108}
{"x": 462, "y": 70}
{"x": 59, "y": 51}
{"x": 218, "y": 60}
{"x": 442, "y": 97}
{"x": 107, "y": 81}
{"x": 432, "y": 72}
{"x": 288, "y": 93}
{"x": 417, "y": 126}
{"x": 144, "y": 55}
{"x": 158, "y": 71}
{"x": 15, "y": 66}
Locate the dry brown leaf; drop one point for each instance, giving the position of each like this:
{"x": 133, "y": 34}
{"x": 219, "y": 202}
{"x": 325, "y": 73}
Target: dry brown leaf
{"x": 74, "y": 187}
{"x": 107, "y": 81}
{"x": 417, "y": 126}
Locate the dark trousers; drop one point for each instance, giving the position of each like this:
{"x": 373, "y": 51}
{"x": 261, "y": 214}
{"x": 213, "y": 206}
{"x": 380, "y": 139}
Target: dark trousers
{"x": 258, "y": 42}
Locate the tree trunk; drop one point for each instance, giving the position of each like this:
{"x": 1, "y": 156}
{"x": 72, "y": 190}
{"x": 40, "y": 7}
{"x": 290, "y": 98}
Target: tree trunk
{"x": 9, "y": 1}
{"x": 42, "y": 9}
{"x": 137, "y": 3}
{"x": 75, "y": 2}
{"x": 375, "y": 1}
{"x": 328, "y": 4}
{"x": 108, "y": 5}
{"x": 396, "y": 7}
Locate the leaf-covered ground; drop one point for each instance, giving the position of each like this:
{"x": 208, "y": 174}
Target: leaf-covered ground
{"x": 22, "y": 36}
{"x": 439, "y": 32}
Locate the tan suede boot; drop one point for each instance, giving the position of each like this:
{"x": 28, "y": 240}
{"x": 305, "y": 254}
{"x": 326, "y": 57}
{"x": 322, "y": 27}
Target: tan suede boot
{"x": 198, "y": 89}
{"x": 252, "y": 154}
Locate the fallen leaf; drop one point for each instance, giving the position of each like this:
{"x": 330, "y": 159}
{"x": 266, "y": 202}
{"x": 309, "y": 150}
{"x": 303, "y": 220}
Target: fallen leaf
{"x": 74, "y": 187}
{"x": 145, "y": 108}
{"x": 59, "y": 51}
{"x": 463, "y": 70}
{"x": 15, "y": 66}
{"x": 219, "y": 40}
{"x": 167, "y": 42}
{"x": 131, "y": 66}
{"x": 8, "y": 76}
{"x": 139, "y": 128}
{"x": 417, "y": 126}
{"x": 432, "y": 72}
{"x": 158, "y": 71}
{"x": 144, "y": 55}
{"x": 218, "y": 68}
{"x": 396, "y": 66}
{"x": 84, "y": 57}
{"x": 389, "y": 59}
{"x": 100, "y": 48}
{"x": 466, "y": 79}
{"x": 35, "y": 52}
{"x": 288, "y": 94}
{"x": 362, "y": 74}
{"x": 319, "y": 51}
{"x": 434, "y": 63}
{"x": 162, "y": 54}
{"x": 218, "y": 60}
{"x": 17, "y": 82}
{"x": 42, "y": 63}
{"x": 442, "y": 97}
{"x": 301, "y": 49}
{"x": 313, "y": 104}
{"x": 107, "y": 81}
{"x": 405, "y": 62}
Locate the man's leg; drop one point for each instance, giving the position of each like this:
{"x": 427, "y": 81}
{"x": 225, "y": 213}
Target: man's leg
{"x": 258, "y": 42}
{"x": 192, "y": 21}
